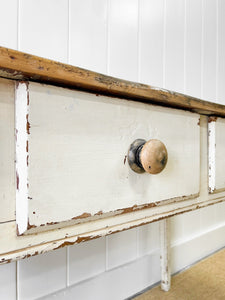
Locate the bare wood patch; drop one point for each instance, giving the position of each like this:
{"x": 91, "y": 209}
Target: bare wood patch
{"x": 18, "y": 65}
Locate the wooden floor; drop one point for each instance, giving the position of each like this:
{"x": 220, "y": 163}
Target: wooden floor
{"x": 204, "y": 281}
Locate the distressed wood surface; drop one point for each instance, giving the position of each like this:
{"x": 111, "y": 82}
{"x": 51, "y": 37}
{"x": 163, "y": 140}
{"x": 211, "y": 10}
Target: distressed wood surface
{"x": 216, "y": 133}
{"x": 18, "y": 65}
{"x": 7, "y": 150}
{"x": 164, "y": 231}
{"x": 71, "y": 155}
{"x": 13, "y": 247}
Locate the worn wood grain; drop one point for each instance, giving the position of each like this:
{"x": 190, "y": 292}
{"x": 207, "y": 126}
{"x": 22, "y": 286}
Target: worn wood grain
{"x": 14, "y": 247}
{"x": 23, "y": 66}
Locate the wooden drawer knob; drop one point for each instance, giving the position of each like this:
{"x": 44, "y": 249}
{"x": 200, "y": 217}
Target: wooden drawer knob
{"x": 150, "y": 156}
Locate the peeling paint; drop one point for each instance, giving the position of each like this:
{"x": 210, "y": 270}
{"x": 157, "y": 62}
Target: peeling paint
{"x": 84, "y": 215}
{"x": 16, "y": 132}
{"x": 22, "y": 155}
{"x": 78, "y": 241}
{"x": 5, "y": 261}
{"x": 52, "y": 223}
{"x": 17, "y": 181}
{"x": 28, "y": 125}
{"x": 46, "y": 246}
{"x": 17, "y": 230}
{"x": 211, "y": 155}
{"x": 212, "y": 119}
{"x": 64, "y": 244}
{"x": 29, "y": 226}
{"x": 121, "y": 211}
{"x": 32, "y": 254}
{"x": 99, "y": 213}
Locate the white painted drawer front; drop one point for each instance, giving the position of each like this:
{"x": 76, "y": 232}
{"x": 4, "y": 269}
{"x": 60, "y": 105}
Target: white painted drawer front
{"x": 71, "y": 155}
{"x": 7, "y": 151}
{"x": 216, "y": 127}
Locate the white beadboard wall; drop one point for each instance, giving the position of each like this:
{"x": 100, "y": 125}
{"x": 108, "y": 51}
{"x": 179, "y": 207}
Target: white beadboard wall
{"x": 175, "y": 44}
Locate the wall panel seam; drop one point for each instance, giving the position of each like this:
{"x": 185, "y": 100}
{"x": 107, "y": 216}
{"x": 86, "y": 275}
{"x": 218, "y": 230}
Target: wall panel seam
{"x": 18, "y": 24}
{"x": 68, "y": 34}
{"x": 202, "y": 47}
{"x": 217, "y": 47}
{"x": 164, "y": 44}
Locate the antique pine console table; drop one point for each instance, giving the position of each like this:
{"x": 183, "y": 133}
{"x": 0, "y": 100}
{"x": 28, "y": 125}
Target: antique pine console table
{"x": 85, "y": 155}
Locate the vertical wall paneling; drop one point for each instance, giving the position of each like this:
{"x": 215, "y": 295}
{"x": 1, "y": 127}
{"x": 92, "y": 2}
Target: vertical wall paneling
{"x": 208, "y": 218}
{"x": 193, "y": 32}
{"x": 220, "y": 213}
{"x": 86, "y": 260}
{"x": 209, "y": 48}
{"x": 41, "y": 275}
{"x": 148, "y": 238}
{"x": 118, "y": 283}
{"x": 44, "y": 28}
{"x": 88, "y": 34}
{"x": 151, "y": 42}
{"x": 197, "y": 247}
{"x": 191, "y": 224}
{"x": 122, "y": 40}
{"x": 174, "y": 45}
{"x": 221, "y": 51}
{"x": 176, "y": 229}
{"x": 8, "y": 23}
{"x": 8, "y": 281}
{"x": 121, "y": 248}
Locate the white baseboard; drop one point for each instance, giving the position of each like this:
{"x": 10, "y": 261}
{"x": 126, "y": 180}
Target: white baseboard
{"x": 127, "y": 280}
{"x": 190, "y": 251}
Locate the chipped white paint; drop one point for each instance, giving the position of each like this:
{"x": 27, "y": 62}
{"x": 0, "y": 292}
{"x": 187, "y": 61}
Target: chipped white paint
{"x": 164, "y": 228}
{"x": 164, "y": 90}
{"x": 7, "y": 151}
{"x": 212, "y": 148}
{"x": 77, "y": 148}
{"x": 21, "y": 113}
{"x": 216, "y": 130}
{"x": 159, "y": 89}
{"x": 13, "y": 247}
{"x": 220, "y": 154}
